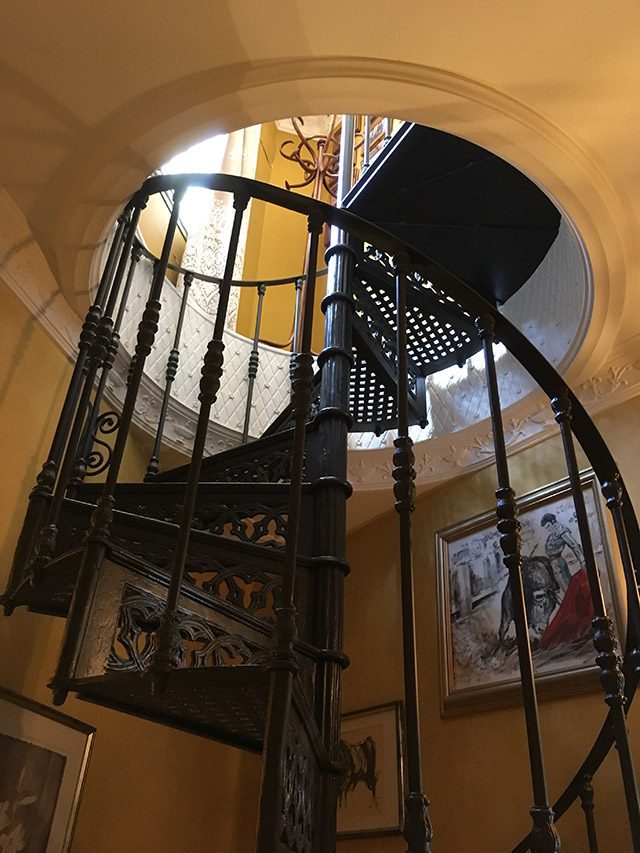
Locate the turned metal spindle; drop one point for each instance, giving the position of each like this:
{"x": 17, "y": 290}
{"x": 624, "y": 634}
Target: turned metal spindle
{"x": 366, "y": 146}
{"x": 168, "y": 654}
{"x": 544, "y": 836}
{"x": 283, "y": 665}
{"x": 604, "y": 638}
{"x": 417, "y": 827}
{"x": 172, "y": 369}
{"x": 586, "y": 801}
{"x": 254, "y": 362}
{"x": 46, "y": 543}
{"x": 86, "y": 442}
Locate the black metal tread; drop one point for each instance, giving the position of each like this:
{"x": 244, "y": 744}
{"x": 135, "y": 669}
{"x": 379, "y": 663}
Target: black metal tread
{"x": 228, "y": 704}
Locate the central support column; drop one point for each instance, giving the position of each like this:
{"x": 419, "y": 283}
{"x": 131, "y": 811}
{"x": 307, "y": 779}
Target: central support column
{"x": 329, "y": 471}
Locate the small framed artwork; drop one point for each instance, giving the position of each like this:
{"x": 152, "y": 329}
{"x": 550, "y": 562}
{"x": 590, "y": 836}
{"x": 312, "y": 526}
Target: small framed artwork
{"x": 478, "y": 655}
{"x": 371, "y": 798}
{"x": 44, "y": 757}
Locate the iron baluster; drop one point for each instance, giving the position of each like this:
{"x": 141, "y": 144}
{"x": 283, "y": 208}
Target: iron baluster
{"x": 284, "y": 665}
{"x": 296, "y": 320}
{"x": 417, "y": 826}
{"x": 604, "y": 638}
{"x": 170, "y": 375}
{"x": 254, "y": 362}
{"x": 366, "y": 147}
{"x": 586, "y": 801}
{"x": 101, "y": 519}
{"x": 168, "y": 652}
{"x": 82, "y": 468}
{"x": 47, "y": 538}
{"x": 387, "y": 131}
{"x": 544, "y": 836}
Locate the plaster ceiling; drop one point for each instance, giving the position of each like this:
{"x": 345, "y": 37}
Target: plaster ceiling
{"x": 94, "y": 96}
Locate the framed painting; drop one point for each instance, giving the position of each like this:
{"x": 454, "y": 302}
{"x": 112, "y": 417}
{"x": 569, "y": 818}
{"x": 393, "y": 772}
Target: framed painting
{"x": 371, "y": 794}
{"x": 44, "y": 757}
{"x": 478, "y": 655}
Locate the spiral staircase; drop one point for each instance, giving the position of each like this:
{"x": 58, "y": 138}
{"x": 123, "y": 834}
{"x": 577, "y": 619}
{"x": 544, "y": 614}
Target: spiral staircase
{"x": 210, "y": 597}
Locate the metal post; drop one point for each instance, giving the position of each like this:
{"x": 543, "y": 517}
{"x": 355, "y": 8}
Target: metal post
{"x": 170, "y": 375}
{"x": 544, "y": 837}
{"x": 100, "y": 525}
{"x": 80, "y": 469}
{"x": 254, "y": 361}
{"x": 417, "y": 827}
{"x": 284, "y": 665}
{"x": 604, "y": 638}
{"x": 387, "y": 131}
{"x": 586, "y": 801}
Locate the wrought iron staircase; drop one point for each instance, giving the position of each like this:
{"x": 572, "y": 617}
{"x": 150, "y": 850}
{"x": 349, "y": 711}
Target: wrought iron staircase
{"x": 210, "y": 597}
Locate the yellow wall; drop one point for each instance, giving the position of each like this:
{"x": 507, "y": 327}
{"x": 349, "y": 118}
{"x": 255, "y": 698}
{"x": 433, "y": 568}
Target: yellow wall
{"x": 476, "y": 766}
{"x": 276, "y": 249}
{"x": 149, "y": 788}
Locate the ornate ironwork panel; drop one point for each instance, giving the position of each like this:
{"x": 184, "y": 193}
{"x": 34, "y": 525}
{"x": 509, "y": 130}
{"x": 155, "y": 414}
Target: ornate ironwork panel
{"x": 201, "y": 642}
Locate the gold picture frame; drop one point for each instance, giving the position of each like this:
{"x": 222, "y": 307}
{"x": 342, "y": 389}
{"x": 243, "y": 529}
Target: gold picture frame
{"x": 44, "y": 757}
{"x": 371, "y": 793}
{"x": 478, "y": 659}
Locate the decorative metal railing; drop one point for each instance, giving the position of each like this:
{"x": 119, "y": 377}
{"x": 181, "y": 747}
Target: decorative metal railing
{"x": 293, "y": 640}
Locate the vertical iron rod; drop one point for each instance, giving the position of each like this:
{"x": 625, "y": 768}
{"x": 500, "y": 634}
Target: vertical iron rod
{"x": 47, "y": 477}
{"x": 86, "y": 442}
{"x": 254, "y": 361}
{"x": 604, "y": 638}
{"x": 586, "y": 801}
{"x": 387, "y": 131}
{"x": 284, "y": 665}
{"x": 46, "y": 543}
{"x": 544, "y": 837}
{"x": 366, "y": 147}
{"x": 168, "y": 653}
{"x": 347, "y": 145}
{"x": 170, "y": 375}
{"x": 417, "y": 826}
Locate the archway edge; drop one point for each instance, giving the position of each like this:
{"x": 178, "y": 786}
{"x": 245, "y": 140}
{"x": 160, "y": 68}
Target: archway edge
{"x": 132, "y": 141}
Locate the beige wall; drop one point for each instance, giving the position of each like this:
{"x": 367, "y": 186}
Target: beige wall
{"x": 476, "y": 766}
{"x": 149, "y": 787}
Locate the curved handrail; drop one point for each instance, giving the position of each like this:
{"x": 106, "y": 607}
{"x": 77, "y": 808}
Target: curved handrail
{"x": 213, "y": 279}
